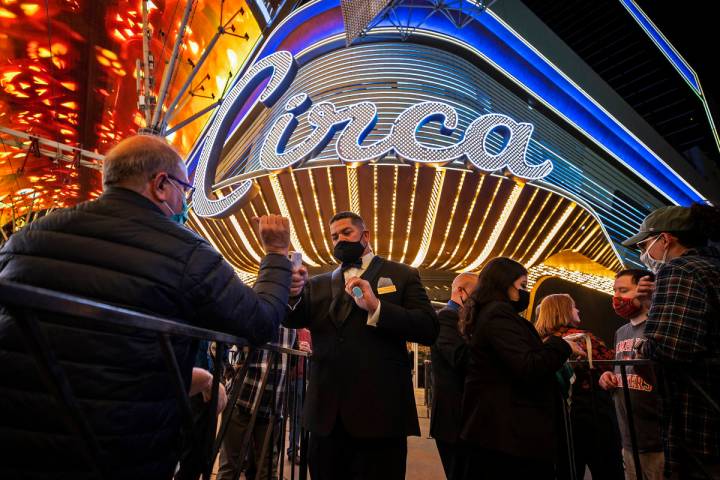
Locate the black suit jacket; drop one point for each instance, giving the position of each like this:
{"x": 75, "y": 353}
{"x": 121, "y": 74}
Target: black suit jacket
{"x": 359, "y": 373}
{"x": 449, "y": 356}
{"x": 509, "y": 403}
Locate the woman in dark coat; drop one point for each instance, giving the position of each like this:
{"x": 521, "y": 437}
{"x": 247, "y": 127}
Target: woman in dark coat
{"x": 509, "y": 403}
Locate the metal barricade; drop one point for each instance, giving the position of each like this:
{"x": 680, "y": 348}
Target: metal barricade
{"x": 27, "y": 305}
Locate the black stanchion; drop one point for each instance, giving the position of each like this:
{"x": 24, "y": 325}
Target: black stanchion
{"x": 253, "y": 418}
{"x": 177, "y": 380}
{"x": 631, "y": 421}
{"x": 212, "y": 409}
{"x": 237, "y": 386}
{"x": 428, "y": 387}
{"x": 304, "y": 435}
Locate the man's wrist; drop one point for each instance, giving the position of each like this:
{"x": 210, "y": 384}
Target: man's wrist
{"x": 374, "y": 316}
{"x": 373, "y": 310}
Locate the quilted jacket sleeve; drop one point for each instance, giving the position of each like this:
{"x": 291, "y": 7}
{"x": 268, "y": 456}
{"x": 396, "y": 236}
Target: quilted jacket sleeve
{"x": 223, "y": 302}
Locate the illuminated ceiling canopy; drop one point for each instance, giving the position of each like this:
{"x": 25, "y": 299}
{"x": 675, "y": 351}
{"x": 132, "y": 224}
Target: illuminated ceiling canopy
{"x": 432, "y": 218}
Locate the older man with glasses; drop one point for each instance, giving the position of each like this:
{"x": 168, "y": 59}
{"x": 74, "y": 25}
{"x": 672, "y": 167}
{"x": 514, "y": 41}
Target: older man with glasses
{"x": 127, "y": 248}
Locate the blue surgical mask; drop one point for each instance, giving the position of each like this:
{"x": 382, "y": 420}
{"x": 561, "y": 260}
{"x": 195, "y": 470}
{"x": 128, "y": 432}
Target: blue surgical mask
{"x": 182, "y": 216}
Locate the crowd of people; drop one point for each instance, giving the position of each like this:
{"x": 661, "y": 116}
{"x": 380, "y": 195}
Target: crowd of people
{"x": 511, "y": 399}
{"x": 509, "y": 405}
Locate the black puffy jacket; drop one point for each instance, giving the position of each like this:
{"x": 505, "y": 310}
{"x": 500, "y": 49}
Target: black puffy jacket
{"x": 122, "y": 250}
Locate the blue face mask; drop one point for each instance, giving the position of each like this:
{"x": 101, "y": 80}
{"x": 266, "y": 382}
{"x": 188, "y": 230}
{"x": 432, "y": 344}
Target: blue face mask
{"x": 181, "y": 217}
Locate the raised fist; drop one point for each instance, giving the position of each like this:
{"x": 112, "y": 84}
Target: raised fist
{"x": 274, "y": 233}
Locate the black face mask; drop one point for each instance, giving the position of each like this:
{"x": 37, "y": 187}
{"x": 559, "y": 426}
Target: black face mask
{"x": 523, "y": 302}
{"x": 348, "y": 252}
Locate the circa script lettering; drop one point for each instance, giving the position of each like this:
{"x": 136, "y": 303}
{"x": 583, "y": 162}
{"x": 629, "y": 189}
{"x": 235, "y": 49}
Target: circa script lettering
{"x": 352, "y": 124}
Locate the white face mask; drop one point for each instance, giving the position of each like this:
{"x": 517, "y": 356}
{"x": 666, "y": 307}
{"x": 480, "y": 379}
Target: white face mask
{"x": 652, "y": 264}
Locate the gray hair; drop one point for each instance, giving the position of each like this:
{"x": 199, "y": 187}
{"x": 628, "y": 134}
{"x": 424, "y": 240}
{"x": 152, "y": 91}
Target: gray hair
{"x": 135, "y": 160}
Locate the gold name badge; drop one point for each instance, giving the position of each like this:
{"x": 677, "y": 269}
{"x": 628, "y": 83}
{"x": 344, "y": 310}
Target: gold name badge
{"x": 388, "y": 289}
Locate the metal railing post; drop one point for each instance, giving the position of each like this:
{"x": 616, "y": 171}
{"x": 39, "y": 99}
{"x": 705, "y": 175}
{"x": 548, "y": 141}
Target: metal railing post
{"x": 304, "y": 435}
{"x": 631, "y": 421}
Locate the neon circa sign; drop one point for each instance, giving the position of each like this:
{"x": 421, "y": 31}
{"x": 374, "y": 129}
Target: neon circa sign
{"x": 352, "y": 124}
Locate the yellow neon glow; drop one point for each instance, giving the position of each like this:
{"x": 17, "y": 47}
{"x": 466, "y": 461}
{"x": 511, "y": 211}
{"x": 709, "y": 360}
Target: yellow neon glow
{"x": 497, "y": 229}
{"x": 30, "y": 9}
{"x": 244, "y": 239}
{"x": 430, "y": 219}
{"x": 332, "y": 191}
{"x": 205, "y": 233}
{"x": 542, "y": 227}
{"x": 531, "y": 228}
{"x": 551, "y": 236}
{"x": 237, "y": 250}
{"x": 467, "y": 221}
{"x": 518, "y": 223}
{"x": 302, "y": 212}
{"x": 587, "y": 238}
{"x": 396, "y": 169}
{"x": 409, "y": 219}
{"x": 247, "y": 221}
{"x": 285, "y": 212}
{"x": 319, "y": 217}
{"x": 452, "y": 215}
{"x": 5, "y": 13}
{"x": 596, "y": 282}
{"x": 375, "y": 203}
{"x": 602, "y": 252}
{"x": 353, "y": 190}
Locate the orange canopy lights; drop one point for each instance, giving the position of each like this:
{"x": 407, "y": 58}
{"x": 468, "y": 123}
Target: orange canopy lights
{"x": 44, "y": 81}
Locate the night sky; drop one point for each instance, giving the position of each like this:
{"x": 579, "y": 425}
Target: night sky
{"x": 692, "y": 27}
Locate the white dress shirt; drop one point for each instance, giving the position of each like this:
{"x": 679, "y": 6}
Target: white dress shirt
{"x": 357, "y": 272}
{"x": 348, "y": 274}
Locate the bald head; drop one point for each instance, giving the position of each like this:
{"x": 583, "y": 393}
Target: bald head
{"x": 136, "y": 160}
{"x": 462, "y": 287}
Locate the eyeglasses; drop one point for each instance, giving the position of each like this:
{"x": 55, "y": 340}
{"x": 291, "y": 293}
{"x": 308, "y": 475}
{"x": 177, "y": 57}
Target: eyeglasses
{"x": 187, "y": 189}
{"x": 643, "y": 245}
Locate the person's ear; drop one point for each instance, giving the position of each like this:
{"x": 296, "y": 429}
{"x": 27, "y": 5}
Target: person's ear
{"x": 160, "y": 187}
{"x": 461, "y": 290}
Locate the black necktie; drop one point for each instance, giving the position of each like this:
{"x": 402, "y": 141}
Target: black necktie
{"x": 355, "y": 264}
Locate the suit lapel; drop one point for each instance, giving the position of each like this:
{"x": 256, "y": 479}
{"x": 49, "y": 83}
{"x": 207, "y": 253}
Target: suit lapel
{"x": 341, "y": 304}
{"x": 373, "y": 271}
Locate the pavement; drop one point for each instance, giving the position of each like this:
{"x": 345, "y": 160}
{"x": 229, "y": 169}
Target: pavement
{"x": 423, "y": 462}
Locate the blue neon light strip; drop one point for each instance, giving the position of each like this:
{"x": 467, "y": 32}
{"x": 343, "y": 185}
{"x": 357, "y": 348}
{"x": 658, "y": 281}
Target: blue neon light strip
{"x": 514, "y": 56}
{"x": 322, "y": 20}
{"x": 667, "y": 49}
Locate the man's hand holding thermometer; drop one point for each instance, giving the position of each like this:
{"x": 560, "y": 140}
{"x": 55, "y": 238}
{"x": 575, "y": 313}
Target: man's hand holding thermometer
{"x": 362, "y": 293}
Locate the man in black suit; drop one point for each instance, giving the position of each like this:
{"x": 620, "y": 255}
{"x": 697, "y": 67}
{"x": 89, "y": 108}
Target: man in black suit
{"x": 449, "y": 356}
{"x": 360, "y": 404}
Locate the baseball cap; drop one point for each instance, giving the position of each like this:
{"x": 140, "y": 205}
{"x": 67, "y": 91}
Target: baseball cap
{"x": 665, "y": 219}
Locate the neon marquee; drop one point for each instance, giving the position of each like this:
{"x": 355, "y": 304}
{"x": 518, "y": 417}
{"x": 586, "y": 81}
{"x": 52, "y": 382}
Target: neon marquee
{"x": 352, "y": 124}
